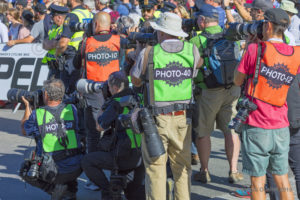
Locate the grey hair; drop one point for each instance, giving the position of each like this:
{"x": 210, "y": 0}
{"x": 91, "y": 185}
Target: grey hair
{"x": 124, "y": 22}
{"x": 118, "y": 79}
{"x": 55, "y": 89}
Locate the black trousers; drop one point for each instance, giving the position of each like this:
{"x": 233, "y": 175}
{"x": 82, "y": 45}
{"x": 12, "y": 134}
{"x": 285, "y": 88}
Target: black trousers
{"x": 94, "y": 163}
{"x": 294, "y": 162}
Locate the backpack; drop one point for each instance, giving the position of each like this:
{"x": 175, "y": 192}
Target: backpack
{"x": 223, "y": 56}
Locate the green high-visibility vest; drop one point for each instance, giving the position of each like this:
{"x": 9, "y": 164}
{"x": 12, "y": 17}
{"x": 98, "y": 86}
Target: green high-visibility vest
{"x": 157, "y": 13}
{"x": 134, "y": 138}
{"x": 173, "y": 74}
{"x": 48, "y": 129}
{"x": 53, "y": 32}
{"x": 84, "y": 16}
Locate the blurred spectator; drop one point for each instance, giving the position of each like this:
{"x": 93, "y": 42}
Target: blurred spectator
{"x": 21, "y": 4}
{"x": 136, "y": 18}
{"x": 3, "y": 33}
{"x": 38, "y": 31}
{"x": 293, "y": 29}
{"x": 13, "y": 17}
{"x": 182, "y": 12}
{"x": 3, "y": 9}
{"x": 27, "y": 21}
{"x": 124, "y": 7}
{"x": 217, "y": 5}
{"x": 102, "y": 5}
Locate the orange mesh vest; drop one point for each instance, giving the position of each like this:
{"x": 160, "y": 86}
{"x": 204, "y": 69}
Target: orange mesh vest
{"x": 276, "y": 74}
{"x": 102, "y": 58}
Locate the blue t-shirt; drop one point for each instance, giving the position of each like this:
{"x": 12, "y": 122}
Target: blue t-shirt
{"x": 68, "y": 165}
{"x": 123, "y": 9}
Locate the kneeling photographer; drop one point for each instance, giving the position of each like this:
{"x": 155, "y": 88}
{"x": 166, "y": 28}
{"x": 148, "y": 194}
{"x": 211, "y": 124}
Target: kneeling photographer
{"x": 55, "y": 165}
{"x": 119, "y": 148}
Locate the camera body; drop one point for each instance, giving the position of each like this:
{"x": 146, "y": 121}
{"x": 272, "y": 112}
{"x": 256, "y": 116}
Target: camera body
{"x": 35, "y": 98}
{"x": 30, "y": 168}
{"x": 117, "y": 184}
{"x": 237, "y": 31}
{"x": 245, "y": 106}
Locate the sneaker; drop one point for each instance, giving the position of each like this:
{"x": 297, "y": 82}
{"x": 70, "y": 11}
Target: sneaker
{"x": 235, "y": 177}
{"x": 91, "y": 186}
{"x": 202, "y": 176}
{"x": 195, "y": 159}
{"x": 246, "y": 194}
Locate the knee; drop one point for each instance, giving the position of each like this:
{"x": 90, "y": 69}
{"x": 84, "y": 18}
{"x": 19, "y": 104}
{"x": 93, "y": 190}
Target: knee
{"x": 85, "y": 162}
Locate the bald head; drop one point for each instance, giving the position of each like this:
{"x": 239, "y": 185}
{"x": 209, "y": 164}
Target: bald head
{"x": 102, "y": 21}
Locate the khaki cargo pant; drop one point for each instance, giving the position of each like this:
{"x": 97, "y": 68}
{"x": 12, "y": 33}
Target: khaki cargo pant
{"x": 176, "y": 138}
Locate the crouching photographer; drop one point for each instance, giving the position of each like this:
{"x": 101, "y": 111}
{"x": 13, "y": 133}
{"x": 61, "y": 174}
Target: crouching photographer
{"x": 119, "y": 148}
{"x": 269, "y": 68}
{"x": 55, "y": 164}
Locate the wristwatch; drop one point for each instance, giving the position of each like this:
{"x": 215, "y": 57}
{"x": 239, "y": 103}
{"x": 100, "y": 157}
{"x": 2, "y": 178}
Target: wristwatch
{"x": 228, "y": 8}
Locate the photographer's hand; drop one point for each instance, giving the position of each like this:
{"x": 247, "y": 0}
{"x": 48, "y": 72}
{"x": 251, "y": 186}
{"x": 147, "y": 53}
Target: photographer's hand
{"x": 99, "y": 128}
{"x": 27, "y": 113}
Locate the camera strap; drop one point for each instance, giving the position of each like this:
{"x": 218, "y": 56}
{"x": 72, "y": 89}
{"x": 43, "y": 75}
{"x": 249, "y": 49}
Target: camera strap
{"x": 83, "y": 60}
{"x": 257, "y": 66}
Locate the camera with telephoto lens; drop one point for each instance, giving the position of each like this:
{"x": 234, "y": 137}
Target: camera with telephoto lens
{"x": 237, "y": 31}
{"x": 117, "y": 184}
{"x": 245, "y": 106}
{"x": 30, "y": 168}
{"x": 85, "y": 86}
{"x": 86, "y": 27}
{"x": 35, "y": 98}
{"x": 143, "y": 38}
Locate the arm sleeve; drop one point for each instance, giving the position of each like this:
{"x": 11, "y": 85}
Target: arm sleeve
{"x": 70, "y": 19}
{"x": 31, "y": 126}
{"x": 196, "y": 60}
{"x": 35, "y": 31}
{"x": 78, "y": 58}
{"x": 249, "y": 60}
{"x": 109, "y": 115}
{"x": 138, "y": 66}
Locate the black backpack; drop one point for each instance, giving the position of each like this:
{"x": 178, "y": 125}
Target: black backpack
{"x": 223, "y": 56}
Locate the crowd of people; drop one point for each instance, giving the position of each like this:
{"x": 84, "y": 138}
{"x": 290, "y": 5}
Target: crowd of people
{"x": 168, "y": 55}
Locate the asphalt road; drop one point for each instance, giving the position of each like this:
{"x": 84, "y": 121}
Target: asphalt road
{"x": 13, "y": 146}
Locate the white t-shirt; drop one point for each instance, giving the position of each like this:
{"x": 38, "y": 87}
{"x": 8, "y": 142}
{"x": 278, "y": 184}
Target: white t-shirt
{"x": 3, "y": 33}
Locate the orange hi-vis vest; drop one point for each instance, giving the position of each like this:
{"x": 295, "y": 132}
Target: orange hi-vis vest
{"x": 102, "y": 58}
{"x": 276, "y": 74}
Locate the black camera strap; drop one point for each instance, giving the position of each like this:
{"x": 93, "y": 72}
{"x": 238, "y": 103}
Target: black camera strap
{"x": 257, "y": 67}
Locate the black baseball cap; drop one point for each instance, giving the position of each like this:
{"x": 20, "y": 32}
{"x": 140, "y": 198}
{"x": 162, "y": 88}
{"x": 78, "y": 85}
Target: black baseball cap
{"x": 40, "y": 8}
{"x": 28, "y": 16}
{"x": 263, "y": 5}
{"x": 208, "y": 10}
{"x": 277, "y": 16}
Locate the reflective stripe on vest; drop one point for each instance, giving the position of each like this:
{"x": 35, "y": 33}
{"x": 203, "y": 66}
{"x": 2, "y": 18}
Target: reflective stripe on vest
{"x": 276, "y": 74}
{"x": 84, "y": 16}
{"x": 173, "y": 74}
{"x": 53, "y": 32}
{"x": 102, "y": 58}
{"x": 49, "y": 138}
{"x": 129, "y": 132}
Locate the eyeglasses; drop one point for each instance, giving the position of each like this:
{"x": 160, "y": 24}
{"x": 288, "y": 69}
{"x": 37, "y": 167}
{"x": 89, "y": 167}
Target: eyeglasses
{"x": 147, "y": 9}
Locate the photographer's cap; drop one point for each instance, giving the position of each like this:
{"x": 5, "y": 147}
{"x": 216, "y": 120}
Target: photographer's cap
{"x": 288, "y": 6}
{"x": 263, "y": 5}
{"x": 169, "y": 23}
{"x": 55, "y": 9}
{"x": 277, "y": 16}
{"x": 207, "y": 10}
{"x": 40, "y": 8}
